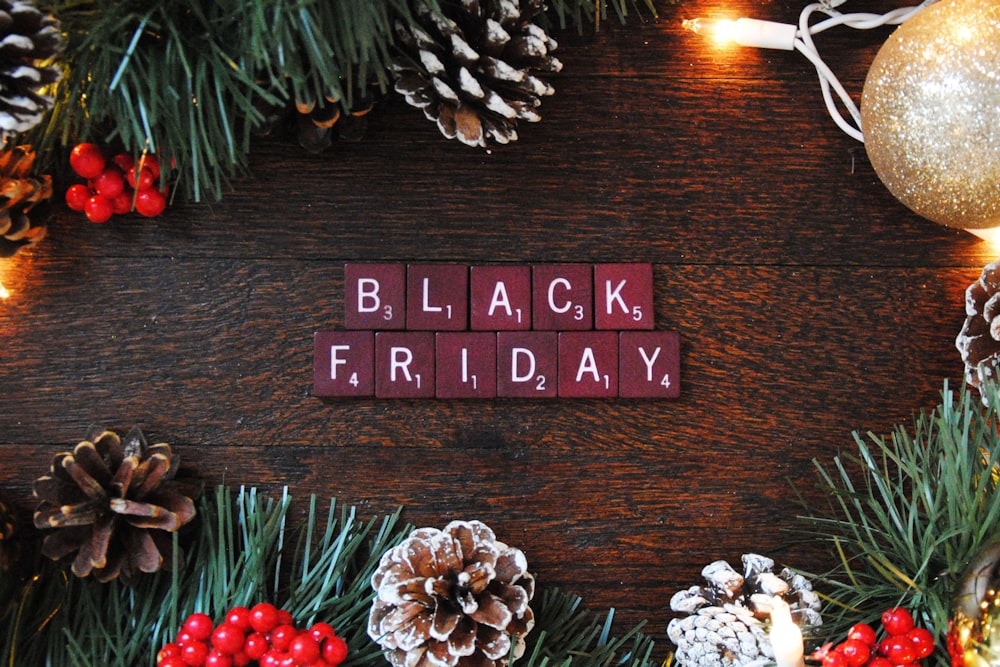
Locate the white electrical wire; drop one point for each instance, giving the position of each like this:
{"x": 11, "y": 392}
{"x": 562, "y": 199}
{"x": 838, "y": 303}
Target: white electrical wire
{"x": 828, "y": 81}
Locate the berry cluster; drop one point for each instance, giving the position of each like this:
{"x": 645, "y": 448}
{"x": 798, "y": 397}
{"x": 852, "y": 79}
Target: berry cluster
{"x": 119, "y": 185}
{"x": 903, "y": 644}
{"x": 263, "y": 633}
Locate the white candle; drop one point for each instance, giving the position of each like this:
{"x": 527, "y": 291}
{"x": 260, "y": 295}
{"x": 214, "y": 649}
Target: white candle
{"x": 786, "y": 638}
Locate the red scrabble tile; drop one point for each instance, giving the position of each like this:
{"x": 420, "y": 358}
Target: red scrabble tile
{"x": 588, "y": 364}
{"x": 623, "y": 296}
{"x": 374, "y": 296}
{"x": 500, "y": 298}
{"x": 344, "y": 363}
{"x": 404, "y": 364}
{"x": 527, "y": 364}
{"x": 562, "y": 297}
{"x": 466, "y": 364}
{"x": 649, "y": 364}
{"x": 437, "y": 297}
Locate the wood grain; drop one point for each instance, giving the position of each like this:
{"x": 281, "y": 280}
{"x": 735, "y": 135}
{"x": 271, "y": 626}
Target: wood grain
{"x": 809, "y": 302}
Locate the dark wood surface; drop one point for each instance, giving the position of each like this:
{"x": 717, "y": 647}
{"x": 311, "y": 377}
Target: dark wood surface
{"x": 809, "y": 302}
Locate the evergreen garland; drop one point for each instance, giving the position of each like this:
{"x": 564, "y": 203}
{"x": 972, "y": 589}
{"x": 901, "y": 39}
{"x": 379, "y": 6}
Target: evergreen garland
{"x": 194, "y": 80}
{"x": 908, "y": 512}
{"x": 244, "y": 552}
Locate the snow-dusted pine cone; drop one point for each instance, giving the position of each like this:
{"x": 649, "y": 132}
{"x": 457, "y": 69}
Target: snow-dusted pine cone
{"x": 29, "y": 40}
{"x": 471, "y": 66}
{"x": 451, "y": 597}
{"x": 728, "y": 620}
{"x": 979, "y": 340}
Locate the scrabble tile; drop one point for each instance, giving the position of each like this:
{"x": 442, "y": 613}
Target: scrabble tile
{"x": 374, "y": 296}
{"x": 437, "y": 297}
{"x": 404, "y": 364}
{"x": 344, "y": 363}
{"x": 649, "y": 364}
{"x": 623, "y": 296}
{"x": 562, "y": 297}
{"x": 500, "y": 298}
{"x": 527, "y": 364}
{"x": 466, "y": 364}
{"x": 588, "y": 364}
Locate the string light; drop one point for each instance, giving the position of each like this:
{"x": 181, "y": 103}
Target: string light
{"x": 789, "y": 37}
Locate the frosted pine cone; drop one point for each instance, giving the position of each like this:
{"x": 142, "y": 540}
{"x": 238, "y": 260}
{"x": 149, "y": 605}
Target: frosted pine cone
{"x": 112, "y": 505}
{"x": 471, "y": 67}
{"x": 29, "y": 39}
{"x": 979, "y": 340}
{"x": 728, "y": 619}
{"x": 451, "y": 597}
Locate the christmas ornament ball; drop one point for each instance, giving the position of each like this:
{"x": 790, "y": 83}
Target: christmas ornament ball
{"x": 974, "y": 626}
{"x": 930, "y": 113}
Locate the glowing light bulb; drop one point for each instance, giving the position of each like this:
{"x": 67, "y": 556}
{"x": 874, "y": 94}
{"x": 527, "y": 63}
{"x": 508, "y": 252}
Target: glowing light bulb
{"x": 745, "y": 32}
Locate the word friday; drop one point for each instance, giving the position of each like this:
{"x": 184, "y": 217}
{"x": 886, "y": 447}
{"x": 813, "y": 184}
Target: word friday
{"x": 519, "y": 331}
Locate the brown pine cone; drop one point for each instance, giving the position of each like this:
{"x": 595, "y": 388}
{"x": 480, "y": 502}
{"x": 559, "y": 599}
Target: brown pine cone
{"x": 451, "y": 597}
{"x": 19, "y": 193}
{"x": 471, "y": 67}
{"x": 979, "y": 340}
{"x": 113, "y": 504}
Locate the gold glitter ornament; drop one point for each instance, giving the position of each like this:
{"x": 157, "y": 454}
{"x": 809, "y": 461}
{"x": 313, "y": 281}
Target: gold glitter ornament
{"x": 974, "y": 627}
{"x": 930, "y": 113}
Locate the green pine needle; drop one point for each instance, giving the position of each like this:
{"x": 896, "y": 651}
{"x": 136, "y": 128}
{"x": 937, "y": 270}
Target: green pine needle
{"x": 907, "y": 513}
{"x": 245, "y": 551}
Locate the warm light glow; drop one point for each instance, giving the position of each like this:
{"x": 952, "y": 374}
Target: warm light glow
{"x": 4, "y": 292}
{"x": 745, "y": 32}
{"x": 989, "y": 234}
{"x": 720, "y": 31}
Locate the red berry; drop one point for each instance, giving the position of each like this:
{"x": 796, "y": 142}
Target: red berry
{"x": 832, "y": 659}
{"x": 109, "y": 183}
{"x": 171, "y": 650}
{"x": 227, "y": 638}
{"x": 897, "y": 621}
{"x": 193, "y": 653}
{"x": 880, "y": 661}
{"x": 272, "y": 658}
{"x": 141, "y": 178}
{"x": 923, "y": 640}
{"x": 856, "y": 652}
{"x": 98, "y": 209}
{"x": 862, "y": 632}
{"x": 150, "y": 202}
{"x": 281, "y": 637}
{"x": 240, "y": 617}
{"x": 77, "y": 196}
{"x": 240, "y": 659}
{"x": 87, "y": 160}
{"x": 122, "y": 204}
{"x": 151, "y": 162}
{"x": 199, "y": 626}
{"x": 263, "y": 617}
{"x": 172, "y": 661}
{"x": 285, "y": 617}
{"x": 256, "y": 645}
{"x": 899, "y": 650}
{"x": 218, "y": 659}
{"x": 320, "y": 631}
{"x": 123, "y": 161}
{"x": 335, "y": 651}
{"x": 304, "y": 648}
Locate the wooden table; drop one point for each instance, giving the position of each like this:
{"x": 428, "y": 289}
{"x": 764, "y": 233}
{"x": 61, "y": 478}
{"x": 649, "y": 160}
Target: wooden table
{"x": 809, "y": 303}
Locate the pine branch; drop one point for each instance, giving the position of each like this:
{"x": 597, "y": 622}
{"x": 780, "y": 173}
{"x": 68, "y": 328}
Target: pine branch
{"x": 907, "y": 513}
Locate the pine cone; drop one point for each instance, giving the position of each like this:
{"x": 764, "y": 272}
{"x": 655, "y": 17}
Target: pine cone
{"x": 319, "y": 120}
{"x": 7, "y": 549}
{"x": 113, "y": 504}
{"x": 28, "y": 39}
{"x": 979, "y": 340}
{"x": 19, "y": 193}
{"x": 451, "y": 597}
{"x": 470, "y": 66}
{"x": 728, "y": 619}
